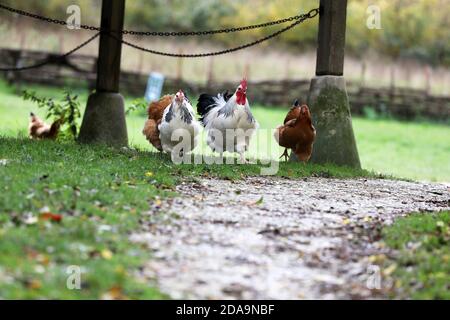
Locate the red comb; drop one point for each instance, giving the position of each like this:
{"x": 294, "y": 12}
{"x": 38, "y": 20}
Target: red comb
{"x": 244, "y": 83}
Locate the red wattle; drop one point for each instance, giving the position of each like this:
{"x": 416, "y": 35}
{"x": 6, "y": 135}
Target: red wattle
{"x": 241, "y": 99}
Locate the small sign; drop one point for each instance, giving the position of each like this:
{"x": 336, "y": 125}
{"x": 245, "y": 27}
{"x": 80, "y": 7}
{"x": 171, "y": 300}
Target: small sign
{"x": 154, "y": 86}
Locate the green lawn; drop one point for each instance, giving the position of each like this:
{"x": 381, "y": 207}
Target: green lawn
{"x": 101, "y": 195}
{"x": 419, "y": 151}
{"x": 422, "y": 268}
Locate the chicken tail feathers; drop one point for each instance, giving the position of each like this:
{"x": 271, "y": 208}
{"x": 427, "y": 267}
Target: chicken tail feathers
{"x": 54, "y": 129}
{"x": 205, "y": 103}
{"x": 151, "y": 132}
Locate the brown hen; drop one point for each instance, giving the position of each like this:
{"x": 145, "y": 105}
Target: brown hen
{"x": 155, "y": 114}
{"x": 38, "y": 129}
{"x": 297, "y": 133}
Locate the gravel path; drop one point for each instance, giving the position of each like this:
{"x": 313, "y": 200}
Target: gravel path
{"x": 272, "y": 238}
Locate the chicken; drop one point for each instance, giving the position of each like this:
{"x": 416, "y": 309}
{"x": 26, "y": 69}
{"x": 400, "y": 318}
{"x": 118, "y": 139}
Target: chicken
{"x": 38, "y": 129}
{"x": 297, "y": 133}
{"x": 155, "y": 114}
{"x": 179, "y": 128}
{"x": 228, "y": 120}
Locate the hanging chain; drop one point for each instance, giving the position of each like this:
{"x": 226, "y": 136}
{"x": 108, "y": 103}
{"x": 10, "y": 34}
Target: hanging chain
{"x": 312, "y": 14}
{"x": 52, "y": 59}
{"x": 301, "y": 19}
{"x": 297, "y": 20}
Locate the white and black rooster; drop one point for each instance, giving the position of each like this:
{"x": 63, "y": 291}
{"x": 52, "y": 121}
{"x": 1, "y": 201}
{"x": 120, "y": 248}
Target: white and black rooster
{"x": 179, "y": 129}
{"x": 228, "y": 120}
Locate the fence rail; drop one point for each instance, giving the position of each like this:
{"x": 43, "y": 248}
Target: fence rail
{"x": 80, "y": 71}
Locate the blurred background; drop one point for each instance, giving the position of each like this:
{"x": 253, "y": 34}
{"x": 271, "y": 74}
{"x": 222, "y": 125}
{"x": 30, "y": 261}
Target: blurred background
{"x": 398, "y": 76}
{"x": 412, "y": 49}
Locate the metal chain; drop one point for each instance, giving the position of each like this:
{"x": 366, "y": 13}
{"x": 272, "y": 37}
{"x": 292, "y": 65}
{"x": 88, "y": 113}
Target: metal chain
{"x": 302, "y": 18}
{"x": 312, "y": 13}
{"x": 219, "y": 31}
{"x": 53, "y": 59}
{"x": 298, "y": 19}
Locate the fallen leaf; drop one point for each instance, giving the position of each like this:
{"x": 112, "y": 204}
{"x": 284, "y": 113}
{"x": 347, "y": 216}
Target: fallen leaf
{"x": 107, "y": 254}
{"x": 346, "y": 221}
{"x": 34, "y": 284}
{"x": 115, "y": 293}
{"x": 50, "y": 216}
{"x": 388, "y": 271}
{"x": 260, "y": 201}
{"x": 377, "y": 258}
{"x": 149, "y": 174}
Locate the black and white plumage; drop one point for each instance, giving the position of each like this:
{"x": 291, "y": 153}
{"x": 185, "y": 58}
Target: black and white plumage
{"x": 179, "y": 129}
{"x": 228, "y": 120}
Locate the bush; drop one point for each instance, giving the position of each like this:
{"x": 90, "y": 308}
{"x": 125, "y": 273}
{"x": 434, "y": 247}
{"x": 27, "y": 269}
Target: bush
{"x": 67, "y": 111}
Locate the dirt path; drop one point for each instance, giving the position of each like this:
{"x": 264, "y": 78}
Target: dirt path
{"x": 270, "y": 238}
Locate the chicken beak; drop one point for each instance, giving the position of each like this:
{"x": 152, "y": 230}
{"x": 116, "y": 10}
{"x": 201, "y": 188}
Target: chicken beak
{"x": 179, "y": 96}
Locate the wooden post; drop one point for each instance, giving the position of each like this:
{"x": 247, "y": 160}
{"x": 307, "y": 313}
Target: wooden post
{"x": 331, "y": 42}
{"x": 328, "y": 99}
{"x": 110, "y": 50}
{"x": 104, "y": 118}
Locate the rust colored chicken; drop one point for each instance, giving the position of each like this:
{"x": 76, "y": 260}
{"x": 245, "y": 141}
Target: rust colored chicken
{"x": 38, "y": 129}
{"x": 155, "y": 115}
{"x": 297, "y": 133}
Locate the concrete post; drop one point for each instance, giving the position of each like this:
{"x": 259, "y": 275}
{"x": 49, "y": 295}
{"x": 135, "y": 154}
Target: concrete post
{"x": 328, "y": 99}
{"x": 104, "y": 118}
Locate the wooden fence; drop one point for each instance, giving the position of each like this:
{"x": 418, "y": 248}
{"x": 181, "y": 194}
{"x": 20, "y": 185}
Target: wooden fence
{"x": 80, "y": 71}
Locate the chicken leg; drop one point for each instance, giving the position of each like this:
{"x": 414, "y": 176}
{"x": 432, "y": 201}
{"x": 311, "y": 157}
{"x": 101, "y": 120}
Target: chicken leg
{"x": 285, "y": 155}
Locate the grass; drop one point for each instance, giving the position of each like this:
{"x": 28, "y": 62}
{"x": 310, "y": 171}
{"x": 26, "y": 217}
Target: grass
{"x": 113, "y": 193}
{"x": 412, "y": 150}
{"x": 101, "y": 203}
{"x": 422, "y": 267}
{"x": 104, "y": 194}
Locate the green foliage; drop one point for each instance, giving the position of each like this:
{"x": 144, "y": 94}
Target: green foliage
{"x": 67, "y": 111}
{"x": 423, "y": 262}
{"x": 410, "y": 28}
{"x": 138, "y": 105}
